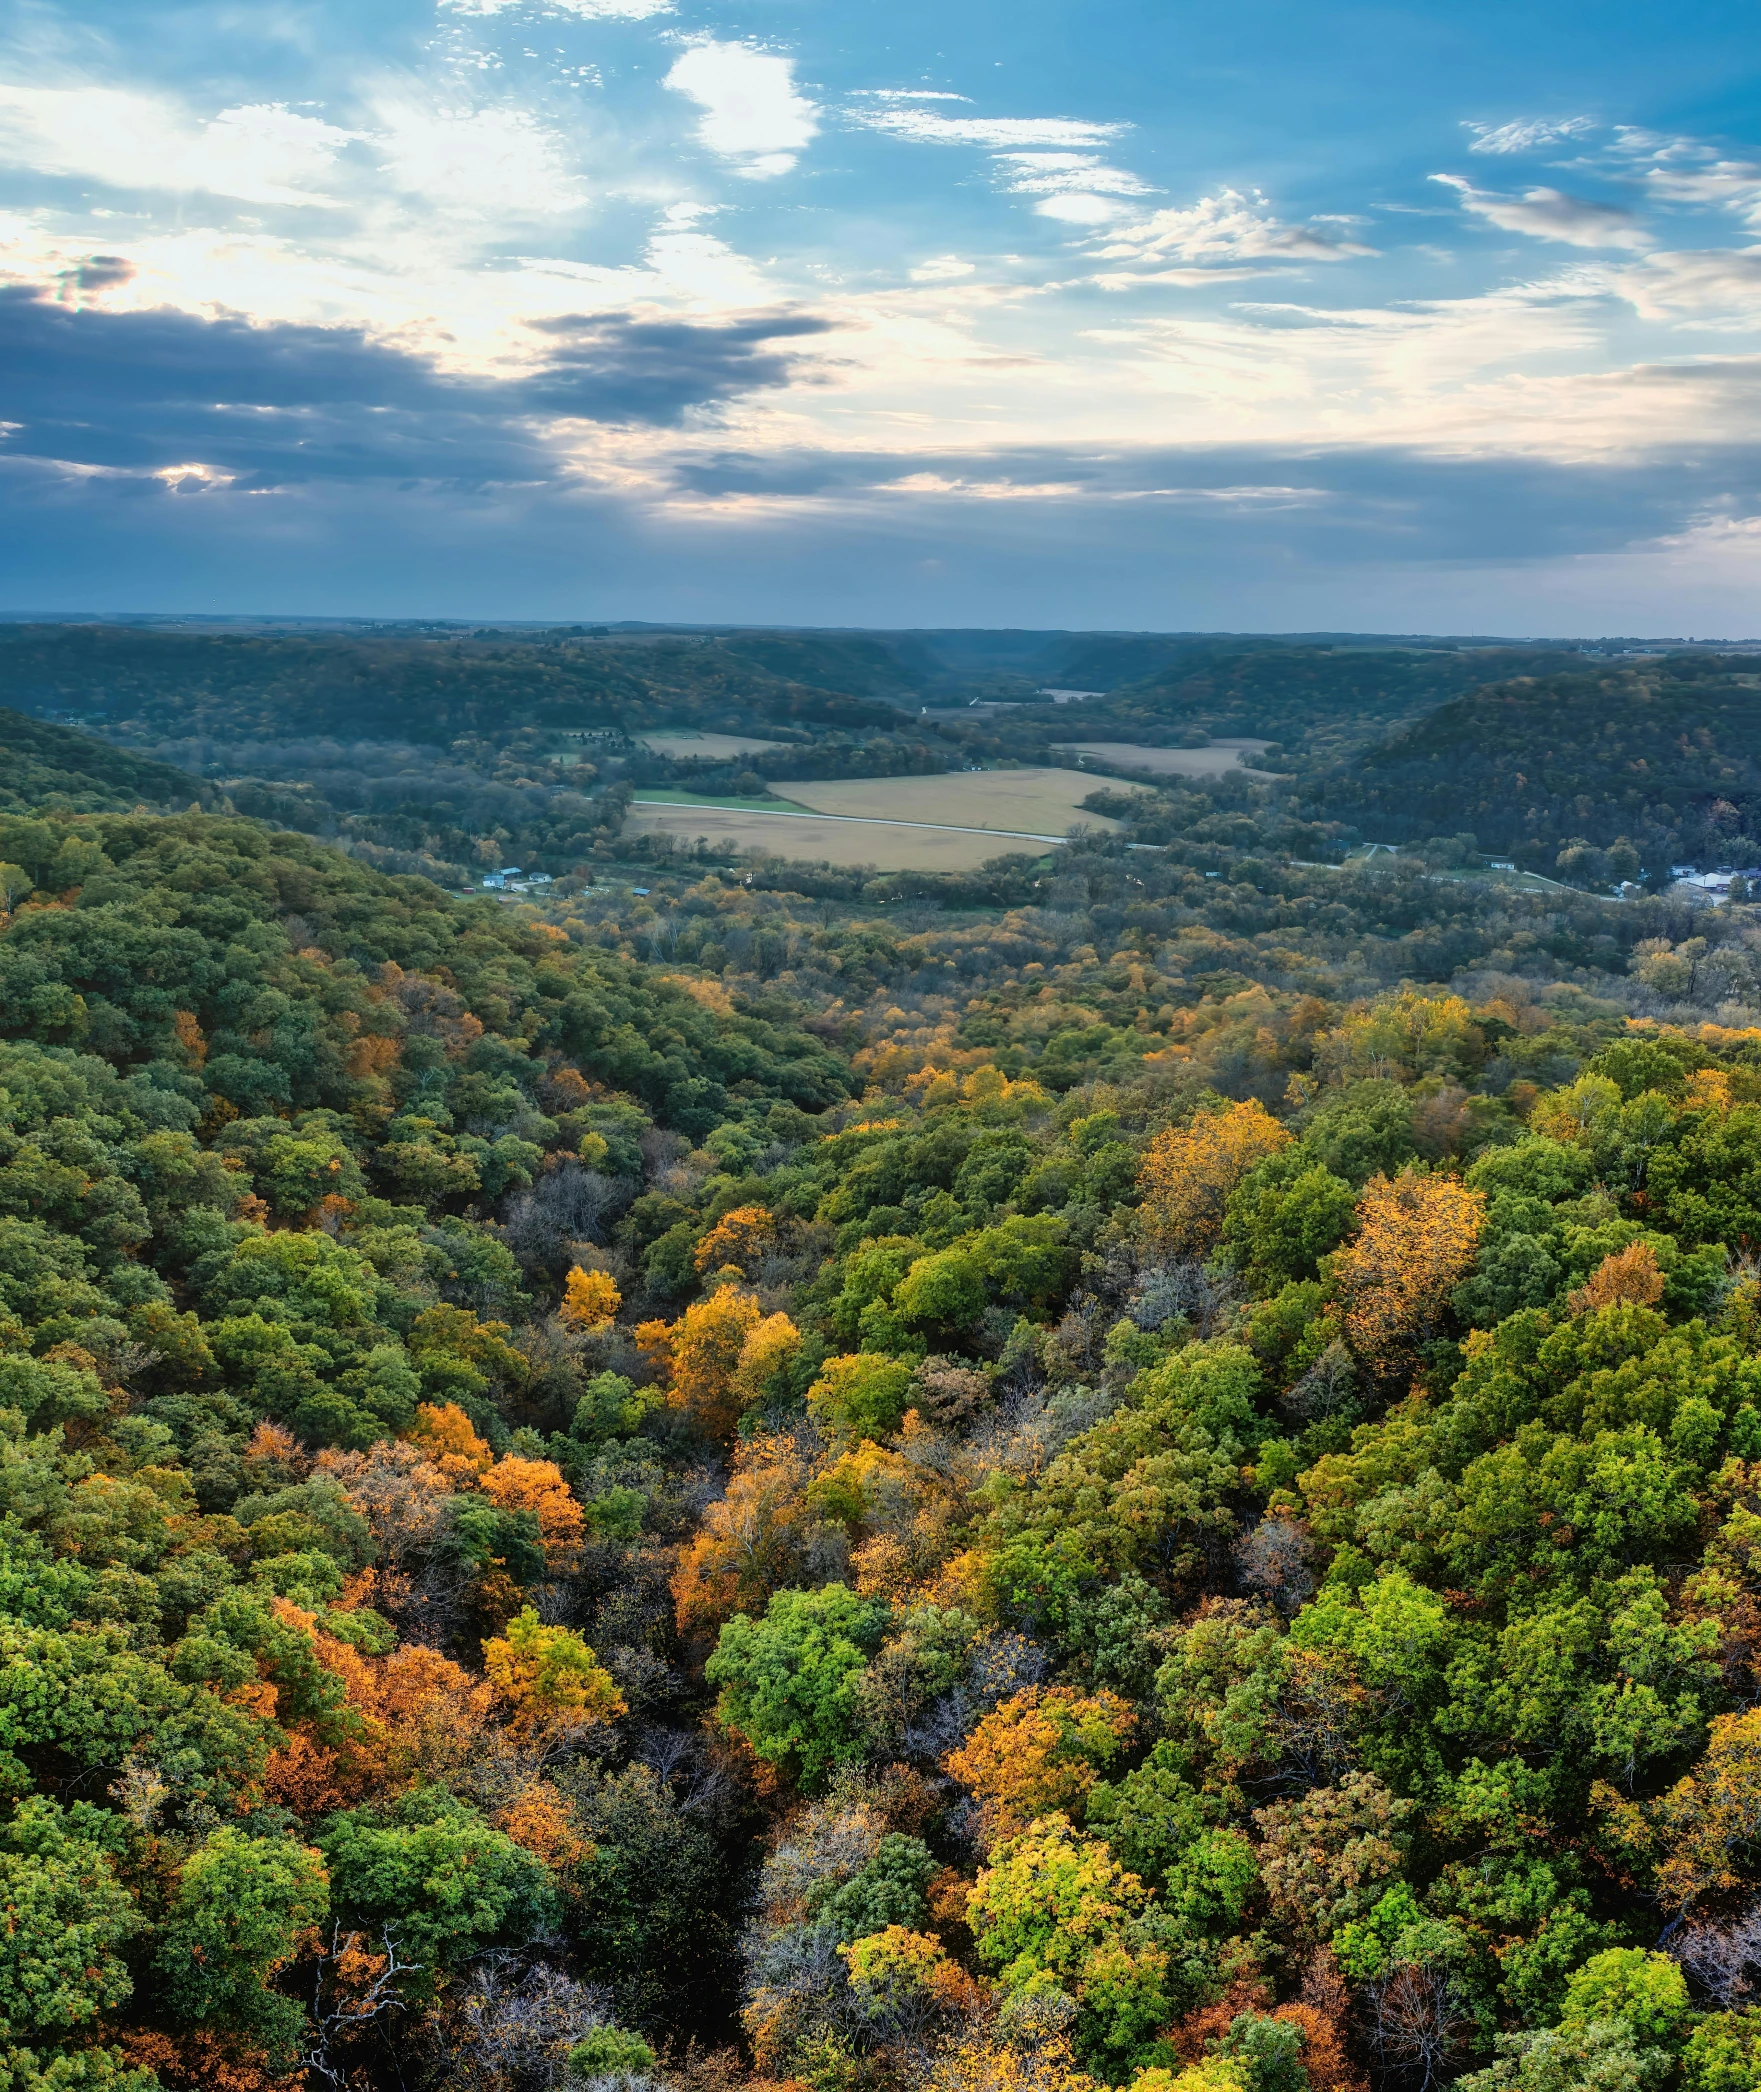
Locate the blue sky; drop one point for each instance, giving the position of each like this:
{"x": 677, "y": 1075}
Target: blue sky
{"x": 1266, "y": 316}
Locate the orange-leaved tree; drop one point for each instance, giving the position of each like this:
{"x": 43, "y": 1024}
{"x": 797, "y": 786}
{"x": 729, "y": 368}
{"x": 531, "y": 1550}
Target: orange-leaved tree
{"x": 1415, "y": 1242}
{"x": 1190, "y": 1171}
{"x": 1707, "y": 1827}
{"x": 1040, "y": 1751}
{"x": 752, "y": 1540}
{"x": 513, "y": 1484}
{"x": 1631, "y": 1274}
{"x": 450, "y": 1440}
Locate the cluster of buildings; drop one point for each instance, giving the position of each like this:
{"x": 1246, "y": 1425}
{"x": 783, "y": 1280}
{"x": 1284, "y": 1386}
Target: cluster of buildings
{"x": 1716, "y": 884}
{"x": 510, "y": 879}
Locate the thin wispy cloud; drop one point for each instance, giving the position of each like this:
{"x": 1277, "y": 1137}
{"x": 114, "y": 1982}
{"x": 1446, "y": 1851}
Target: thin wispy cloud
{"x": 1528, "y": 134}
{"x": 905, "y": 117}
{"x": 587, "y": 10}
{"x": 1550, "y": 214}
{"x": 1039, "y": 156}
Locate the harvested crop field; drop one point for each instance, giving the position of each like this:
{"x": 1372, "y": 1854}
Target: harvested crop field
{"x": 709, "y": 747}
{"x": 890, "y": 846}
{"x": 1021, "y": 802}
{"x": 1216, "y": 760}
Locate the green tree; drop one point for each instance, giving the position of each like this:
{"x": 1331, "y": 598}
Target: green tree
{"x": 66, "y": 1919}
{"x": 1284, "y": 1216}
{"x": 444, "y": 1882}
{"x": 791, "y": 1683}
{"x": 240, "y": 1904}
{"x": 1055, "y": 1909}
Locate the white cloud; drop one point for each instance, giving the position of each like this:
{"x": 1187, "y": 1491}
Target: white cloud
{"x": 1003, "y": 134}
{"x": 1082, "y": 208}
{"x": 1528, "y": 135}
{"x": 979, "y": 489}
{"x": 476, "y": 163}
{"x": 258, "y": 153}
{"x": 942, "y": 268}
{"x": 1228, "y": 227}
{"x": 1728, "y": 185}
{"x": 1711, "y": 286}
{"x": 752, "y": 112}
{"x": 1550, "y": 214}
{"x": 1075, "y": 187}
{"x": 1687, "y": 173}
{"x": 590, "y": 10}
{"x": 1035, "y": 155}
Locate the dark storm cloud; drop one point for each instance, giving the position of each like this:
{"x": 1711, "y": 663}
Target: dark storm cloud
{"x": 143, "y": 391}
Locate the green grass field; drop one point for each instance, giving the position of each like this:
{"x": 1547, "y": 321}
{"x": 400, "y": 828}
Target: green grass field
{"x": 679, "y": 795}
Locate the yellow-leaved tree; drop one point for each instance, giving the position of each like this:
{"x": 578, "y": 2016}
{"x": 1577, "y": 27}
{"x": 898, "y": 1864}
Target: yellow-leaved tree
{"x": 548, "y": 1679}
{"x": 1415, "y": 1243}
{"x": 704, "y": 1347}
{"x": 768, "y": 1352}
{"x": 737, "y": 1239}
{"x": 590, "y": 1299}
{"x": 1190, "y": 1171}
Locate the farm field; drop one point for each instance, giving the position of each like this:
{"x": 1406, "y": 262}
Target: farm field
{"x": 890, "y": 846}
{"x": 1214, "y": 761}
{"x": 711, "y": 747}
{"x": 1018, "y": 802}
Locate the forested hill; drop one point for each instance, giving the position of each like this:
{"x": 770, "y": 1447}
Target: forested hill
{"x": 1181, "y": 1513}
{"x": 295, "y": 979}
{"x": 1316, "y": 701}
{"x": 46, "y": 765}
{"x": 161, "y": 684}
{"x": 1665, "y": 756}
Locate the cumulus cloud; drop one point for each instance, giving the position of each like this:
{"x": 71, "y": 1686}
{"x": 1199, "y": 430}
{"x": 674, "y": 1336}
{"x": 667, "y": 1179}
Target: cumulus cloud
{"x": 1550, "y": 214}
{"x": 1528, "y": 134}
{"x": 753, "y": 114}
{"x": 1228, "y": 228}
{"x": 260, "y": 152}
